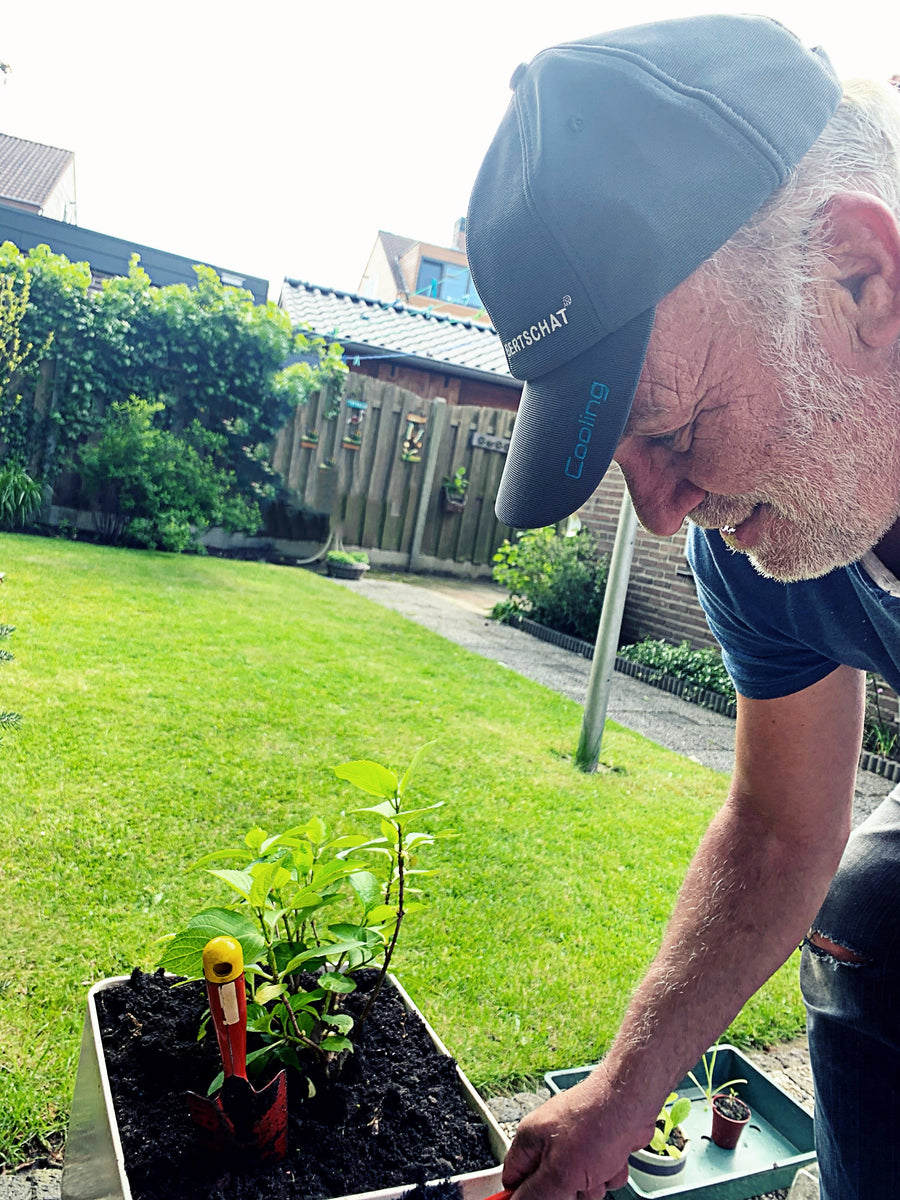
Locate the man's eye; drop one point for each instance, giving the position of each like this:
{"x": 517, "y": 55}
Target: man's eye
{"x": 679, "y": 440}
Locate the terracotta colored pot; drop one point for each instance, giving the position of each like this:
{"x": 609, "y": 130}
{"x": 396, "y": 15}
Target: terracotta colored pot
{"x": 726, "y": 1131}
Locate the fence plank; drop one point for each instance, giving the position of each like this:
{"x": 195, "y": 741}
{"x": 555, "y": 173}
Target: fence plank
{"x": 371, "y": 494}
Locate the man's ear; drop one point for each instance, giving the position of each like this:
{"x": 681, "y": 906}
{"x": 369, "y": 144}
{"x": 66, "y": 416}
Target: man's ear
{"x": 862, "y": 242}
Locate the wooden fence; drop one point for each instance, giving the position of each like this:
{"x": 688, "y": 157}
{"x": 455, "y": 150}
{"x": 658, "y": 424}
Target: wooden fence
{"x": 377, "y": 465}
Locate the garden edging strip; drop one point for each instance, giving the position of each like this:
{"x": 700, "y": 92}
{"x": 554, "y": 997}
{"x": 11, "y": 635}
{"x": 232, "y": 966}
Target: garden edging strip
{"x": 654, "y": 677}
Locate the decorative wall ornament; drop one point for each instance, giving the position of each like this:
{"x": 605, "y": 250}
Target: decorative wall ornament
{"x": 414, "y": 438}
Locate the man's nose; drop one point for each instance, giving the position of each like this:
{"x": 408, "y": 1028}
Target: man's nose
{"x": 655, "y": 474}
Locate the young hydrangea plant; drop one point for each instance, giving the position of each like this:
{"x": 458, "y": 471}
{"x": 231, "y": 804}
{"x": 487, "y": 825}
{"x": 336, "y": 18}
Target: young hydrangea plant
{"x": 285, "y": 887}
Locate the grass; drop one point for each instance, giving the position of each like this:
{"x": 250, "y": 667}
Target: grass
{"x": 170, "y": 703}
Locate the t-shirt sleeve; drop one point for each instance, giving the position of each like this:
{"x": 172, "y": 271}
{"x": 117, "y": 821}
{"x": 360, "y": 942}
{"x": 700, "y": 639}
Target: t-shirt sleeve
{"x": 758, "y": 622}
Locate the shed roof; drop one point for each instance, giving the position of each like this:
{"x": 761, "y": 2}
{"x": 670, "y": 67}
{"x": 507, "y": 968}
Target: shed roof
{"x": 394, "y": 330}
{"x": 29, "y": 171}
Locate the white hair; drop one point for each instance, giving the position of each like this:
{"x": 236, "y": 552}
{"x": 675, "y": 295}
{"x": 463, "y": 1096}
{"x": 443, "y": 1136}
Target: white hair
{"x": 767, "y": 266}
{"x": 781, "y": 249}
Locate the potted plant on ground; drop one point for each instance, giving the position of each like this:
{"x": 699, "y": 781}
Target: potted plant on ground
{"x": 347, "y": 564}
{"x": 729, "y": 1113}
{"x": 454, "y": 489}
{"x": 665, "y": 1154}
{"x": 317, "y": 916}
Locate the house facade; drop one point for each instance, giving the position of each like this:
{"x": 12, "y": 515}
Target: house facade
{"x": 423, "y": 275}
{"x": 37, "y": 179}
{"x": 110, "y": 256}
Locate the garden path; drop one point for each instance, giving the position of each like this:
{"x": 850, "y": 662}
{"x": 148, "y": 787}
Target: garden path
{"x": 458, "y": 610}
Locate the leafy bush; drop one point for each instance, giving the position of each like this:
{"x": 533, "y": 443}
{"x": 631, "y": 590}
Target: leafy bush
{"x": 207, "y": 353}
{"x": 556, "y": 580}
{"x": 703, "y": 667}
{"x": 348, "y": 556}
{"x": 155, "y": 489}
{"x": 20, "y": 495}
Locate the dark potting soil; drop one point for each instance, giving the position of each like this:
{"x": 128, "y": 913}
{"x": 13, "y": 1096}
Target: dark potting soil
{"x": 395, "y": 1116}
{"x": 732, "y": 1107}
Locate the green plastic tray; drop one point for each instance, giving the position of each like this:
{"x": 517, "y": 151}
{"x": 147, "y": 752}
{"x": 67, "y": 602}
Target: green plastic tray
{"x": 773, "y": 1147}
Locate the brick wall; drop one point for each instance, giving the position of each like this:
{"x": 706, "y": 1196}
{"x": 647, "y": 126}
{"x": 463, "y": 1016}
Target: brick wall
{"x": 662, "y": 601}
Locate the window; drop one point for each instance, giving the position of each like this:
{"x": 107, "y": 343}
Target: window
{"x": 446, "y": 281}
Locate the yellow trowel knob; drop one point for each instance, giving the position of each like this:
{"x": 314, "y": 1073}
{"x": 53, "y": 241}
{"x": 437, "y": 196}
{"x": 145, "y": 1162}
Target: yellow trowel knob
{"x": 223, "y": 960}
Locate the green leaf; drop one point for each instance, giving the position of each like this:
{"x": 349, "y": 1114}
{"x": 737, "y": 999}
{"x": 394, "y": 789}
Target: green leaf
{"x": 342, "y": 1022}
{"x": 241, "y": 881}
{"x": 268, "y": 992}
{"x": 241, "y": 853}
{"x": 183, "y": 955}
{"x": 316, "y": 830}
{"x": 295, "y": 896}
{"x": 370, "y": 777}
{"x": 386, "y": 809}
{"x": 410, "y": 770}
{"x": 267, "y": 877}
{"x": 391, "y": 833}
{"x": 382, "y": 912}
{"x": 255, "y": 838}
{"x": 336, "y": 1043}
{"x": 367, "y": 888}
{"x": 680, "y": 1110}
{"x": 334, "y": 981}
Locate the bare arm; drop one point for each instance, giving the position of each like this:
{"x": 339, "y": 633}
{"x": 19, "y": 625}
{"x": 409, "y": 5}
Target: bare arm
{"x": 754, "y": 886}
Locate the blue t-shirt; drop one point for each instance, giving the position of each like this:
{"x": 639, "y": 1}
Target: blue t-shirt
{"x": 778, "y": 638}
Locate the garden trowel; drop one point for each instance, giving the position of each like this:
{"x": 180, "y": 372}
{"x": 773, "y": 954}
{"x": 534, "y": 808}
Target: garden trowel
{"x": 239, "y": 1120}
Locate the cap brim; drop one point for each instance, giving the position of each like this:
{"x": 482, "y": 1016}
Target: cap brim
{"x": 568, "y": 426}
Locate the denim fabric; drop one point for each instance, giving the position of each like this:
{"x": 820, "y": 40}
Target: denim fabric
{"x": 853, "y": 1016}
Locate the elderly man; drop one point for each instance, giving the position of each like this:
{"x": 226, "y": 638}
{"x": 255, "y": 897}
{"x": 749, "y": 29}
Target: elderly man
{"x": 689, "y": 242}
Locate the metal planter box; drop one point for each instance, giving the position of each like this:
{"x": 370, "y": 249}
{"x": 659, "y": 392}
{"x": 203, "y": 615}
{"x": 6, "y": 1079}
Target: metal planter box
{"x": 774, "y": 1146}
{"x": 95, "y": 1169}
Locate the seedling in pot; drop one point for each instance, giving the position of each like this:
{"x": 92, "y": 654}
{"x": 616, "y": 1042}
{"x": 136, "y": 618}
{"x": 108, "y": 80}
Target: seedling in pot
{"x": 709, "y": 1068}
{"x": 730, "y": 1113}
{"x": 672, "y": 1113}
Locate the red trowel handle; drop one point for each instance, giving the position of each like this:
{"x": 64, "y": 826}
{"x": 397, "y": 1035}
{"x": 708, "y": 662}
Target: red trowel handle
{"x": 223, "y": 969}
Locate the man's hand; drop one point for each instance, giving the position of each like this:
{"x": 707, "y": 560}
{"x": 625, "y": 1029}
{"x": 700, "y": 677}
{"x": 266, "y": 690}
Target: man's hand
{"x": 574, "y": 1146}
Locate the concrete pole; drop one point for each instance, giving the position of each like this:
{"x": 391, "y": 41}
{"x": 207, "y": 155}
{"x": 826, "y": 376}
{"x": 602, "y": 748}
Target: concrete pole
{"x": 436, "y": 423}
{"x": 588, "y": 752}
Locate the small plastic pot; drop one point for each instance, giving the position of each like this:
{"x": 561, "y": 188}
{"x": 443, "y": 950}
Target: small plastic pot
{"x": 726, "y": 1131}
{"x": 656, "y": 1166}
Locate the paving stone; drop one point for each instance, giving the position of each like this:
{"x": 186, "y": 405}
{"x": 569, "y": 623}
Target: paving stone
{"x": 15, "y": 1187}
{"x": 45, "y": 1184}
{"x": 806, "y": 1184}
{"x": 505, "y": 1108}
{"x": 529, "y": 1101}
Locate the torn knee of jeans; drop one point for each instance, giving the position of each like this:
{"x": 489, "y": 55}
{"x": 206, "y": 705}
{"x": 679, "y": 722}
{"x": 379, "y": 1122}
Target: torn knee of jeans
{"x": 831, "y": 951}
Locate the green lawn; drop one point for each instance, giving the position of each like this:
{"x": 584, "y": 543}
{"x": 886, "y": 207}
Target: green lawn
{"x": 170, "y": 703}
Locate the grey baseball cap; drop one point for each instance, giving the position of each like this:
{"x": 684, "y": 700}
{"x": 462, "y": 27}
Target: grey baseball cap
{"x": 623, "y": 162}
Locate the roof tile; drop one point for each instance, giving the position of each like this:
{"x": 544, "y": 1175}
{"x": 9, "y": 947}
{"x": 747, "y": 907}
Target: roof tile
{"x": 29, "y": 171}
{"x": 393, "y": 329}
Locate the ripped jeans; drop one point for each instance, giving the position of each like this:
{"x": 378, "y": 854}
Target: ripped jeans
{"x": 853, "y": 1016}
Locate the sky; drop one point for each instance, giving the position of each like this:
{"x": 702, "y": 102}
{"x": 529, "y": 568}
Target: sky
{"x": 276, "y": 138}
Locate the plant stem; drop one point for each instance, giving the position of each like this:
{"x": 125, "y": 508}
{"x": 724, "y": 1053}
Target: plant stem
{"x": 388, "y": 954}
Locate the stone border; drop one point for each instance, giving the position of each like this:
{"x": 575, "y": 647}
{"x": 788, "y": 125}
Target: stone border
{"x": 888, "y": 768}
